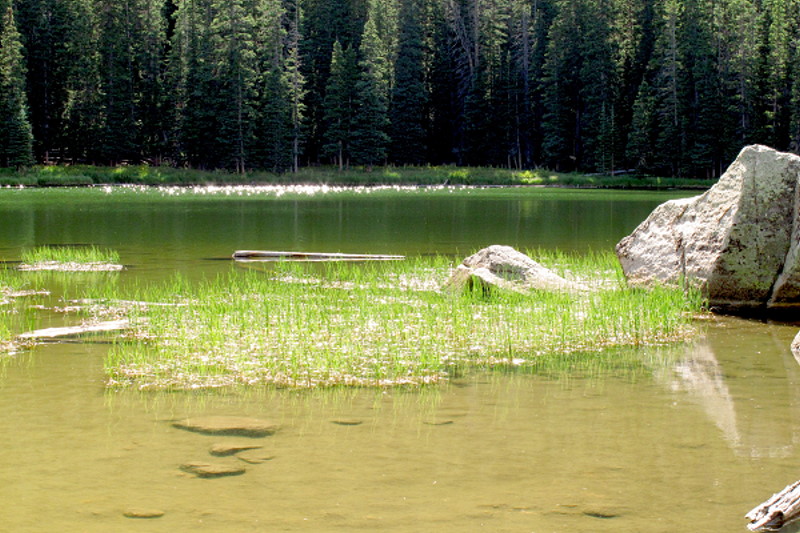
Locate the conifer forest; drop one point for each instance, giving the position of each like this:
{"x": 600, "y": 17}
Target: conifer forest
{"x": 664, "y": 87}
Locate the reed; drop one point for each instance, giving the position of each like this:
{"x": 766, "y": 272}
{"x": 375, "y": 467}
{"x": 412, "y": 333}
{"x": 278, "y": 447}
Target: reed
{"x": 382, "y": 324}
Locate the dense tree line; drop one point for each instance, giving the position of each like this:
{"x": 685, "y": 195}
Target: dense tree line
{"x": 671, "y": 87}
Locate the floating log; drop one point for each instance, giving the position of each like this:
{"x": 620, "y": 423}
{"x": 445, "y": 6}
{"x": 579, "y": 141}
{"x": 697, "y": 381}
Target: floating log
{"x": 52, "y": 333}
{"x": 266, "y": 255}
{"x": 781, "y": 509}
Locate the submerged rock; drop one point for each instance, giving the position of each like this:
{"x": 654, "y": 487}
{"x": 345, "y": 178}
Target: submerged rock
{"x": 143, "y": 513}
{"x": 223, "y": 449}
{"x": 739, "y": 242}
{"x": 254, "y": 457}
{"x": 347, "y": 422}
{"x": 227, "y": 425}
{"x": 213, "y": 470}
{"x": 505, "y": 268}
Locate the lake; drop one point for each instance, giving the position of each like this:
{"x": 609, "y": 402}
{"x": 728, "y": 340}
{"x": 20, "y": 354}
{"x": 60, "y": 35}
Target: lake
{"x": 690, "y": 437}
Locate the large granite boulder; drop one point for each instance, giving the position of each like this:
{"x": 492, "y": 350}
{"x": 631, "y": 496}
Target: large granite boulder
{"x": 503, "y": 267}
{"x": 739, "y": 241}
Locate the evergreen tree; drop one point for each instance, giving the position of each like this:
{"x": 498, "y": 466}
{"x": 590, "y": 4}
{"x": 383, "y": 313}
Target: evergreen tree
{"x": 275, "y": 131}
{"x": 409, "y": 96}
{"x": 236, "y": 74}
{"x": 44, "y": 27}
{"x": 323, "y": 23}
{"x": 196, "y": 85}
{"x": 118, "y": 136}
{"x": 368, "y": 140}
{"x": 83, "y": 107}
{"x": 294, "y": 76}
{"x": 644, "y": 130}
{"x": 340, "y": 105}
{"x": 579, "y": 77}
{"x": 16, "y": 139}
{"x": 376, "y": 79}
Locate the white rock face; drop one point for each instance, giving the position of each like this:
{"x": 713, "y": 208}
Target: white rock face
{"x": 508, "y": 269}
{"x": 739, "y": 241}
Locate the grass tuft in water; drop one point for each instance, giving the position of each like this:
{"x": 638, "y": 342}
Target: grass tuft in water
{"x": 382, "y": 324}
{"x": 69, "y": 254}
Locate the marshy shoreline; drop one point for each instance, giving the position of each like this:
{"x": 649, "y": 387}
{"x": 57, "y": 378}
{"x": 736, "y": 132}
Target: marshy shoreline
{"x": 296, "y": 325}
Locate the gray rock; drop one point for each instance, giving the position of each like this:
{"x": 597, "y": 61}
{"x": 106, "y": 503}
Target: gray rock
{"x": 796, "y": 347}
{"x": 505, "y": 268}
{"x": 213, "y": 470}
{"x": 738, "y": 241}
{"x": 227, "y": 425}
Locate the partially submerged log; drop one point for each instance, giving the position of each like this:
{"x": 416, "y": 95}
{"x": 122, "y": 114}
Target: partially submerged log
{"x": 70, "y": 331}
{"x": 781, "y": 509}
{"x": 267, "y": 255}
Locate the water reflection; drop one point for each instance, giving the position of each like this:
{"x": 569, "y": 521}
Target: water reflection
{"x": 745, "y": 384}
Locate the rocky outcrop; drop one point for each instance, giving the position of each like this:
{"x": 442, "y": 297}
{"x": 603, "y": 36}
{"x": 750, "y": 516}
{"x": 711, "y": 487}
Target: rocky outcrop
{"x": 739, "y": 241}
{"x": 505, "y": 268}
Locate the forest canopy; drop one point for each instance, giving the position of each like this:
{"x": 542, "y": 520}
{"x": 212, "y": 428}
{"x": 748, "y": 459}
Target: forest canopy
{"x": 665, "y": 87}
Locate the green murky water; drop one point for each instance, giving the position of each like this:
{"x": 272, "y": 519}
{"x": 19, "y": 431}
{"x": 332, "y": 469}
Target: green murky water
{"x": 686, "y": 438}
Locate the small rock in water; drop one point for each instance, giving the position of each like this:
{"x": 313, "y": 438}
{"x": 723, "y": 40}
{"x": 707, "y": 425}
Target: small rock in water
{"x": 227, "y": 425}
{"x": 212, "y": 470}
{"x": 222, "y": 449}
{"x": 347, "y": 422}
{"x": 143, "y": 513}
{"x": 602, "y": 511}
{"x": 439, "y": 422}
{"x": 254, "y": 457}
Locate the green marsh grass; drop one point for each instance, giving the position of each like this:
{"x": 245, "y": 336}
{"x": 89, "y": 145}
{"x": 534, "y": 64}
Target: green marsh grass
{"x": 378, "y": 324}
{"x": 16, "y": 313}
{"x": 69, "y": 254}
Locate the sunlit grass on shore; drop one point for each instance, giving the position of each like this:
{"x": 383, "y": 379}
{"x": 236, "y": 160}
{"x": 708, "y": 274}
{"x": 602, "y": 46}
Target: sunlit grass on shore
{"x": 377, "y": 325}
{"x": 87, "y": 175}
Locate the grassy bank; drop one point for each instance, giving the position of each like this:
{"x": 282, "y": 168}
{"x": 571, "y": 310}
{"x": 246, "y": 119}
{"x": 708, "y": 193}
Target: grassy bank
{"x": 382, "y": 324}
{"x": 84, "y": 175}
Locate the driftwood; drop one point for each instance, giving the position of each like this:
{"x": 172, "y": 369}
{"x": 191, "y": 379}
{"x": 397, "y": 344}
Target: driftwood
{"x": 259, "y": 255}
{"x": 52, "y": 333}
{"x": 781, "y": 509}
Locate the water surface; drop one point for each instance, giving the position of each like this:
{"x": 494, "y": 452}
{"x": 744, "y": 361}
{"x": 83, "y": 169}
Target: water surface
{"x": 659, "y": 439}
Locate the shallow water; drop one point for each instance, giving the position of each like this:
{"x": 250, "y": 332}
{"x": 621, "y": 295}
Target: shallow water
{"x": 691, "y": 437}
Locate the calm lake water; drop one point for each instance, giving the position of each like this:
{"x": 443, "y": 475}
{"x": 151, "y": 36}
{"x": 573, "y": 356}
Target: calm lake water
{"x": 688, "y": 439}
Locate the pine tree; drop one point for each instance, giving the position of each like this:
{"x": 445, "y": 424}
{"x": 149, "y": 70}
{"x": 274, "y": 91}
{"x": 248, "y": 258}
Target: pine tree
{"x": 340, "y": 105}
{"x": 16, "y": 139}
{"x": 778, "y": 33}
{"x": 119, "y": 135}
{"x": 236, "y": 74}
{"x": 368, "y": 140}
{"x": 644, "y": 130}
{"x": 83, "y": 108}
{"x": 295, "y": 81}
{"x": 408, "y": 127}
{"x": 150, "y": 47}
{"x": 323, "y": 23}
{"x": 196, "y": 86}
{"x": 376, "y": 79}
{"x": 275, "y": 124}
{"x": 44, "y": 28}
